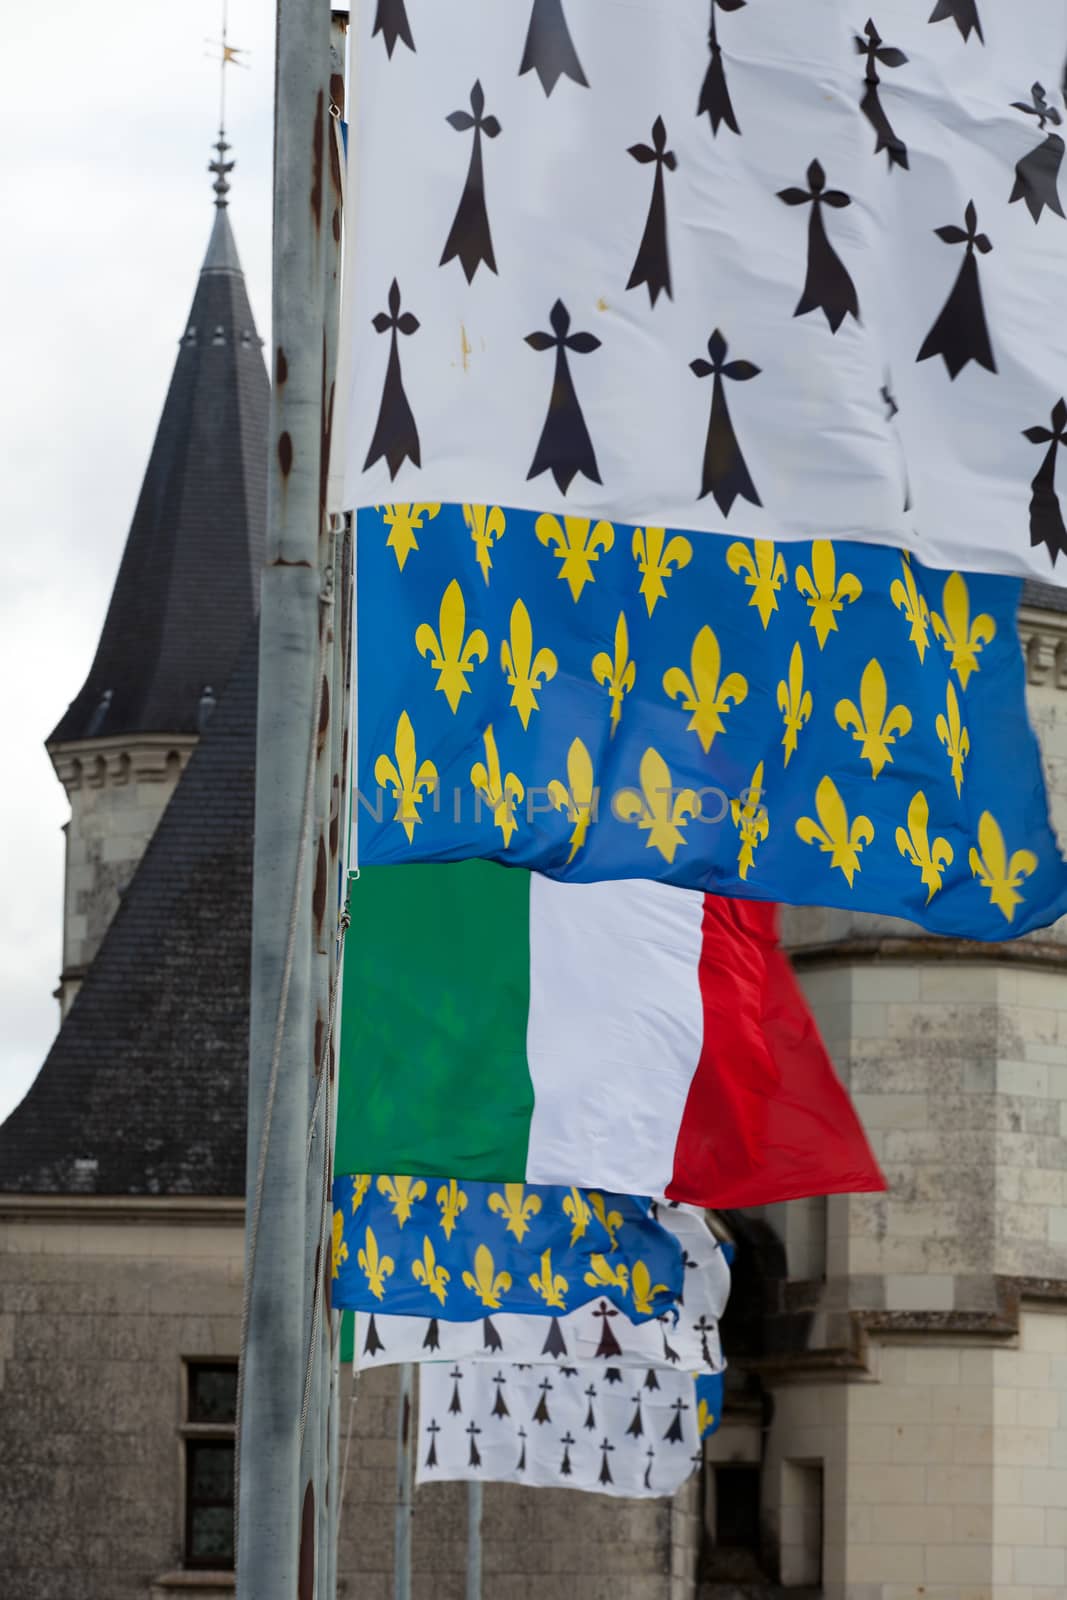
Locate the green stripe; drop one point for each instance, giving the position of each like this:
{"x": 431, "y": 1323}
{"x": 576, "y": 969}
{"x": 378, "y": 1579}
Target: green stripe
{"x": 434, "y": 1077}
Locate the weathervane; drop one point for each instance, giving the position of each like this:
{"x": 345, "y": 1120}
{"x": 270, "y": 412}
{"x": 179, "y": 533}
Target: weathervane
{"x": 229, "y": 55}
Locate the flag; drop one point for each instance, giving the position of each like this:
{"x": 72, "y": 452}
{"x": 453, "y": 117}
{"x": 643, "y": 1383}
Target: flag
{"x": 463, "y": 1250}
{"x": 684, "y": 1337}
{"x": 709, "y": 1397}
{"x": 569, "y": 1427}
{"x": 822, "y": 724}
{"x": 695, "y": 587}
{"x": 627, "y": 1035}
{"x": 825, "y": 297}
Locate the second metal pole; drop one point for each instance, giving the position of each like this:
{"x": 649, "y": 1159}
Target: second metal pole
{"x": 474, "y": 1541}
{"x": 404, "y": 1460}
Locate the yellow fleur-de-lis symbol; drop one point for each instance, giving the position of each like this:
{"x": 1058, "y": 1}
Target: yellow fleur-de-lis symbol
{"x": 825, "y": 595}
{"x": 429, "y": 1273}
{"x": 575, "y": 1207}
{"x": 914, "y": 844}
{"x": 833, "y": 832}
{"x": 578, "y": 797}
{"x": 643, "y": 1289}
{"x": 339, "y": 1248}
{"x": 487, "y": 524}
{"x": 551, "y": 1286}
{"x": 998, "y": 872}
{"x": 403, "y": 523}
{"x": 485, "y": 1281}
{"x": 578, "y": 544}
{"x": 906, "y": 597}
{"x": 617, "y": 673}
{"x": 953, "y": 735}
{"x": 516, "y": 1207}
{"x": 452, "y": 1200}
{"x": 501, "y": 793}
{"x": 702, "y": 693}
{"x": 705, "y": 1418}
{"x": 660, "y": 810}
{"x": 602, "y": 1275}
{"x": 610, "y": 1221}
{"x": 657, "y": 559}
{"x": 452, "y": 655}
{"x": 751, "y": 821}
{"x": 360, "y": 1185}
{"x": 764, "y": 570}
{"x": 961, "y": 637}
{"x": 794, "y": 701}
{"x": 525, "y": 668}
{"x": 873, "y": 725}
{"x": 402, "y": 1194}
{"x": 375, "y": 1267}
{"x": 410, "y": 780}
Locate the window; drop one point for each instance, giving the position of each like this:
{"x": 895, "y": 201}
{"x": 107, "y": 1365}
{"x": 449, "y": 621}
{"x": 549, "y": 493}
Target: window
{"x": 733, "y": 1535}
{"x": 208, "y": 1446}
{"x": 737, "y": 1507}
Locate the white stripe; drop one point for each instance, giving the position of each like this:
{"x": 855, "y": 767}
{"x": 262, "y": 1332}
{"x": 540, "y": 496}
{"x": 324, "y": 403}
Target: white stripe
{"x": 614, "y": 1032}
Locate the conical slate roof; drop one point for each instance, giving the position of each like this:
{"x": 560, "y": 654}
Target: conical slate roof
{"x": 188, "y": 586}
{"x": 144, "y": 1089}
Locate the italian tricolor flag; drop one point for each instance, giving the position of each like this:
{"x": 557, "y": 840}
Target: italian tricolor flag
{"x": 629, "y": 1036}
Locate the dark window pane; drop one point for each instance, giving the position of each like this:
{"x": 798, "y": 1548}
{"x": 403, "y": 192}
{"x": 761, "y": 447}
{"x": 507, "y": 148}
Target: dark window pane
{"x": 211, "y": 1536}
{"x": 209, "y": 1503}
{"x": 211, "y": 1472}
{"x": 212, "y": 1392}
{"x": 737, "y": 1507}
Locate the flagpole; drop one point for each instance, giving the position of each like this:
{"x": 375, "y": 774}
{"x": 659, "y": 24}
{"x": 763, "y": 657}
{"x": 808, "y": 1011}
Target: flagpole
{"x": 277, "y": 1505}
{"x": 474, "y": 1541}
{"x": 404, "y": 1508}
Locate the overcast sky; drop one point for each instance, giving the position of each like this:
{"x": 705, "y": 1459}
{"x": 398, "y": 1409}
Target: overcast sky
{"x": 107, "y": 115}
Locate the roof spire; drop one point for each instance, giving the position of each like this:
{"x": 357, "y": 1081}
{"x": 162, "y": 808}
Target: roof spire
{"x": 229, "y": 57}
{"x": 220, "y": 167}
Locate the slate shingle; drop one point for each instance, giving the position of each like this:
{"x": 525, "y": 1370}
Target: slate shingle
{"x": 188, "y": 586}
{"x": 147, "y": 1077}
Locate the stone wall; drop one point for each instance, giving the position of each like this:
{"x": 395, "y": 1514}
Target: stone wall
{"x": 945, "y": 1467}
{"x": 99, "y": 1308}
{"x": 96, "y": 1315}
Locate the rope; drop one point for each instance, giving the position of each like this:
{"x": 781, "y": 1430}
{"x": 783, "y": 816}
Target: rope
{"x": 325, "y": 605}
{"x": 356, "y": 1369}
{"x": 324, "y": 1267}
{"x": 343, "y": 924}
{"x": 342, "y": 928}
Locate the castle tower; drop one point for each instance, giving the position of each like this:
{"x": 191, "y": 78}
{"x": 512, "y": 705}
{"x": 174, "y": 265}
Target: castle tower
{"x": 912, "y": 1439}
{"x": 186, "y": 591}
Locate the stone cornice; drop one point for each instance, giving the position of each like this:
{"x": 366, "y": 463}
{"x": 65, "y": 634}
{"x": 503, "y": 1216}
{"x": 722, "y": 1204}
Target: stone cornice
{"x": 850, "y": 1359}
{"x": 1043, "y": 635}
{"x": 178, "y": 1210}
{"x": 1032, "y": 951}
{"x": 94, "y": 762}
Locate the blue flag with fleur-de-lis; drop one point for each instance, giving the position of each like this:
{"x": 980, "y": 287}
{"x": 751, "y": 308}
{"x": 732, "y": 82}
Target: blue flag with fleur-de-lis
{"x": 710, "y": 1388}
{"x": 459, "y": 1250}
{"x": 827, "y": 723}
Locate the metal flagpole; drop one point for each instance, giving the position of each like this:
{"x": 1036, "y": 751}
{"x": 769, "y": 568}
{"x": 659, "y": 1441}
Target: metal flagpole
{"x": 277, "y": 1504}
{"x": 404, "y": 1508}
{"x": 474, "y": 1541}
{"x": 338, "y": 531}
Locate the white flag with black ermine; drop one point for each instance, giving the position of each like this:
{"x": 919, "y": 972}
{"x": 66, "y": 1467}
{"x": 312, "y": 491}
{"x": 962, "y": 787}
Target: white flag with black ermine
{"x": 630, "y": 1432}
{"x": 784, "y": 270}
{"x": 599, "y": 1335}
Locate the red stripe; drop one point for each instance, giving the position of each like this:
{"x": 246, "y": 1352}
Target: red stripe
{"x": 767, "y": 1117}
